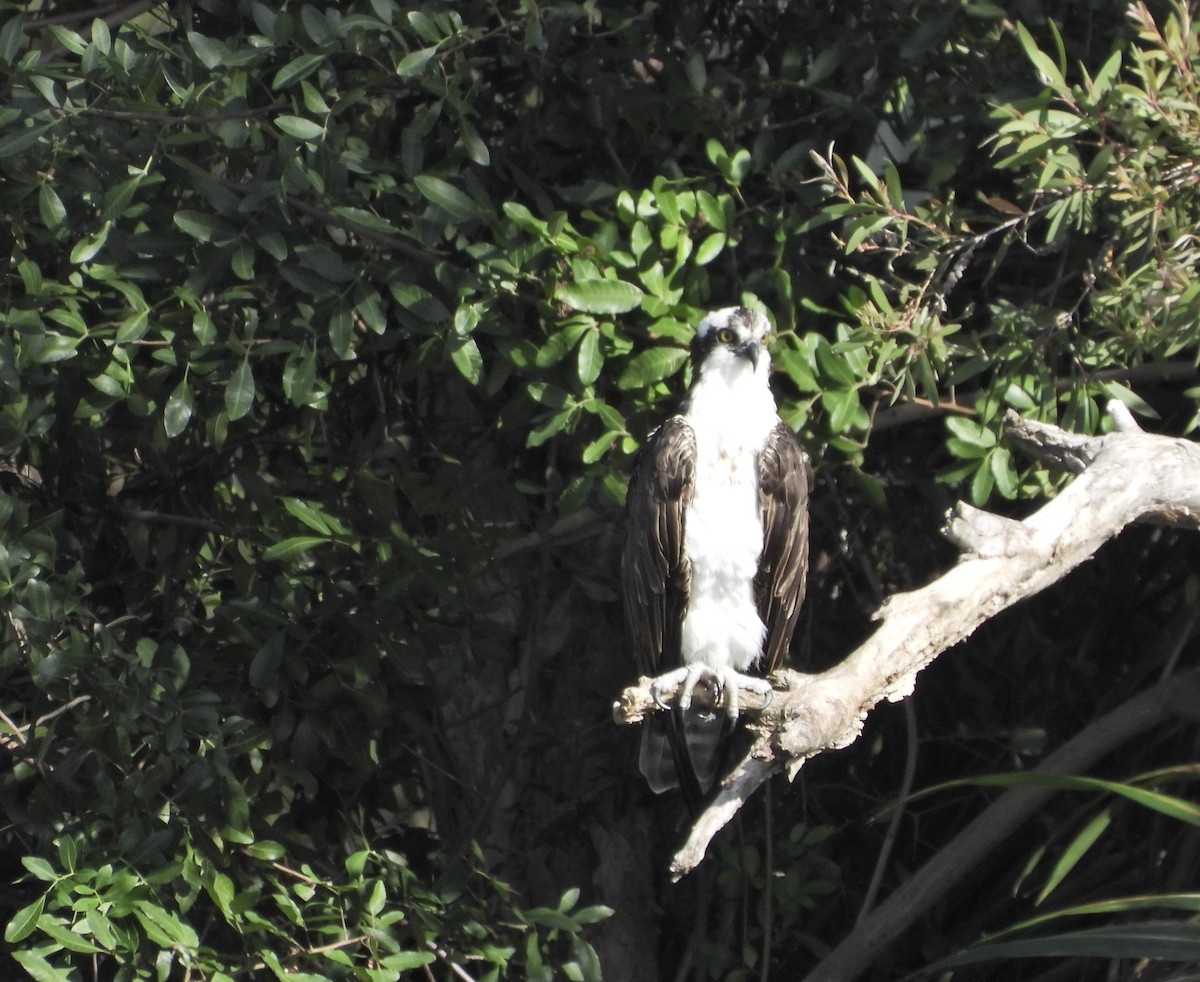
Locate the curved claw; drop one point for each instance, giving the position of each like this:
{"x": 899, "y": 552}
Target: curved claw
{"x": 718, "y": 688}
{"x": 656, "y": 695}
{"x": 768, "y": 698}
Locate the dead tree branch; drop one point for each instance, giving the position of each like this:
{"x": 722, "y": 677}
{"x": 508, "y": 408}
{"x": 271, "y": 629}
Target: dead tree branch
{"x": 1124, "y": 476}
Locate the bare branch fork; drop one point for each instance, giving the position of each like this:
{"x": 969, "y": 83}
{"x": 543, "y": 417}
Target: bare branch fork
{"x": 1124, "y": 476}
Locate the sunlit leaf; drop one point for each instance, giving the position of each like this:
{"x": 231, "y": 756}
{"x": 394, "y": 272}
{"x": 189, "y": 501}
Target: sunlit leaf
{"x": 210, "y": 52}
{"x": 299, "y": 127}
{"x": 296, "y": 69}
{"x": 465, "y": 355}
{"x": 24, "y": 921}
{"x": 590, "y": 360}
{"x": 651, "y": 365}
{"x": 453, "y": 200}
{"x": 600, "y": 296}
{"x": 414, "y": 62}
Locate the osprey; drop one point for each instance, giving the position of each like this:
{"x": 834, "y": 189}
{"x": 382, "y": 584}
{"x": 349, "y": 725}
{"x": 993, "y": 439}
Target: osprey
{"x": 716, "y": 550}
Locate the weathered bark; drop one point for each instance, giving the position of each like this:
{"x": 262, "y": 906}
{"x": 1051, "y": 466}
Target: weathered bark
{"x": 1124, "y": 476}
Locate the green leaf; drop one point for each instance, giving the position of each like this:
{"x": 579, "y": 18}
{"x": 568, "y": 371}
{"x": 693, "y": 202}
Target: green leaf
{"x": 971, "y": 431}
{"x": 1153, "y": 940}
{"x": 197, "y": 224}
{"x": 266, "y": 850}
{"x": 39, "y": 868}
{"x": 41, "y": 970}
{"x": 590, "y": 359}
{"x": 377, "y": 899}
{"x": 600, "y": 296}
{"x": 414, "y": 62}
{"x": 476, "y": 149}
{"x": 57, "y": 929}
{"x": 709, "y": 249}
{"x": 308, "y": 514}
{"x": 20, "y": 140}
{"x": 24, "y": 921}
{"x": 1075, "y": 852}
{"x": 598, "y": 447}
{"x": 1113, "y": 905}
{"x": 165, "y": 926}
{"x": 981, "y": 485}
{"x": 1130, "y": 398}
{"x": 292, "y": 547}
{"x": 1050, "y": 73}
{"x": 833, "y": 366}
{"x": 554, "y": 349}
{"x": 239, "y": 391}
{"x": 178, "y": 410}
{"x": 299, "y": 127}
{"x": 842, "y": 406}
{"x": 241, "y": 261}
{"x": 367, "y": 219}
{"x": 211, "y": 53}
{"x": 133, "y": 327}
{"x": 452, "y": 200}
{"x": 464, "y": 353}
{"x": 100, "y": 36}
{"x": 53, "y": 212}
{"x": 86, "y": 249}
{"x": 297, "y": 69}
{"x": 12, "y": 38}
{"x": 547, "y": 425}
{"x": 1169, "y": 805}
{"x": 404, "y": 961}
{"x": 1000, "y": 463}
{"x": 593, "y": 914}
{"x": 300, "y": 375}
{"x": 650, "y": 366}
{"x": 739, "y": 166}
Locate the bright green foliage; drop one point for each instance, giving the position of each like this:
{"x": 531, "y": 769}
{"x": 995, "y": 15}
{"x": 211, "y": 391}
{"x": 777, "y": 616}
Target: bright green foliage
{"x": 1101, "y": 202}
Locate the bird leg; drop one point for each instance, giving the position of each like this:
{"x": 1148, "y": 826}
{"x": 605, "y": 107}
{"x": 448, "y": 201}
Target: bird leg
{"x": 726, "y": 684}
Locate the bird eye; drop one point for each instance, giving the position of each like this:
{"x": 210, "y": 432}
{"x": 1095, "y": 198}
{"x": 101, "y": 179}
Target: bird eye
{"x": 726, "y": 335}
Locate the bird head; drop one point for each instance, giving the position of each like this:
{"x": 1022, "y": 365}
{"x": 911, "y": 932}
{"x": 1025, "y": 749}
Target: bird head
{"x": 730, "y": 336}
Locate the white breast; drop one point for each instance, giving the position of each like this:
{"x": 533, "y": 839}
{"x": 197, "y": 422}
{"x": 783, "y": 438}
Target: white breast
{"x": 732, "y": 413}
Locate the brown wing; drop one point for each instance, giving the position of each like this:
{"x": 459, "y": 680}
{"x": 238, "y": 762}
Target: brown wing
{"x": 784, "y": 479}
{"x": 655, "y": 576}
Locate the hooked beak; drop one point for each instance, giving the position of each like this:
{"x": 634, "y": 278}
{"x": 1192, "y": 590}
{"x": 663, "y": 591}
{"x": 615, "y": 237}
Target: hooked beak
{"x": 750, "y": 351}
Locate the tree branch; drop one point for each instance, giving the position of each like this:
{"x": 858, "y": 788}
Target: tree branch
{"x": 1124, "y": 476}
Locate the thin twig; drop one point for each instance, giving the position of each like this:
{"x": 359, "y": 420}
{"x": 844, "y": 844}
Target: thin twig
{"x": 457, "y": 969}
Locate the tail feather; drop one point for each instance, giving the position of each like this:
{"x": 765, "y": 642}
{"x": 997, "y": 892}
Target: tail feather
{"x": 684, "y": 749}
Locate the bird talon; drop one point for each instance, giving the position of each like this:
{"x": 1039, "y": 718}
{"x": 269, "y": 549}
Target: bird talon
{"x": 658, "y": 699}
{"x": 718, "y": 685}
